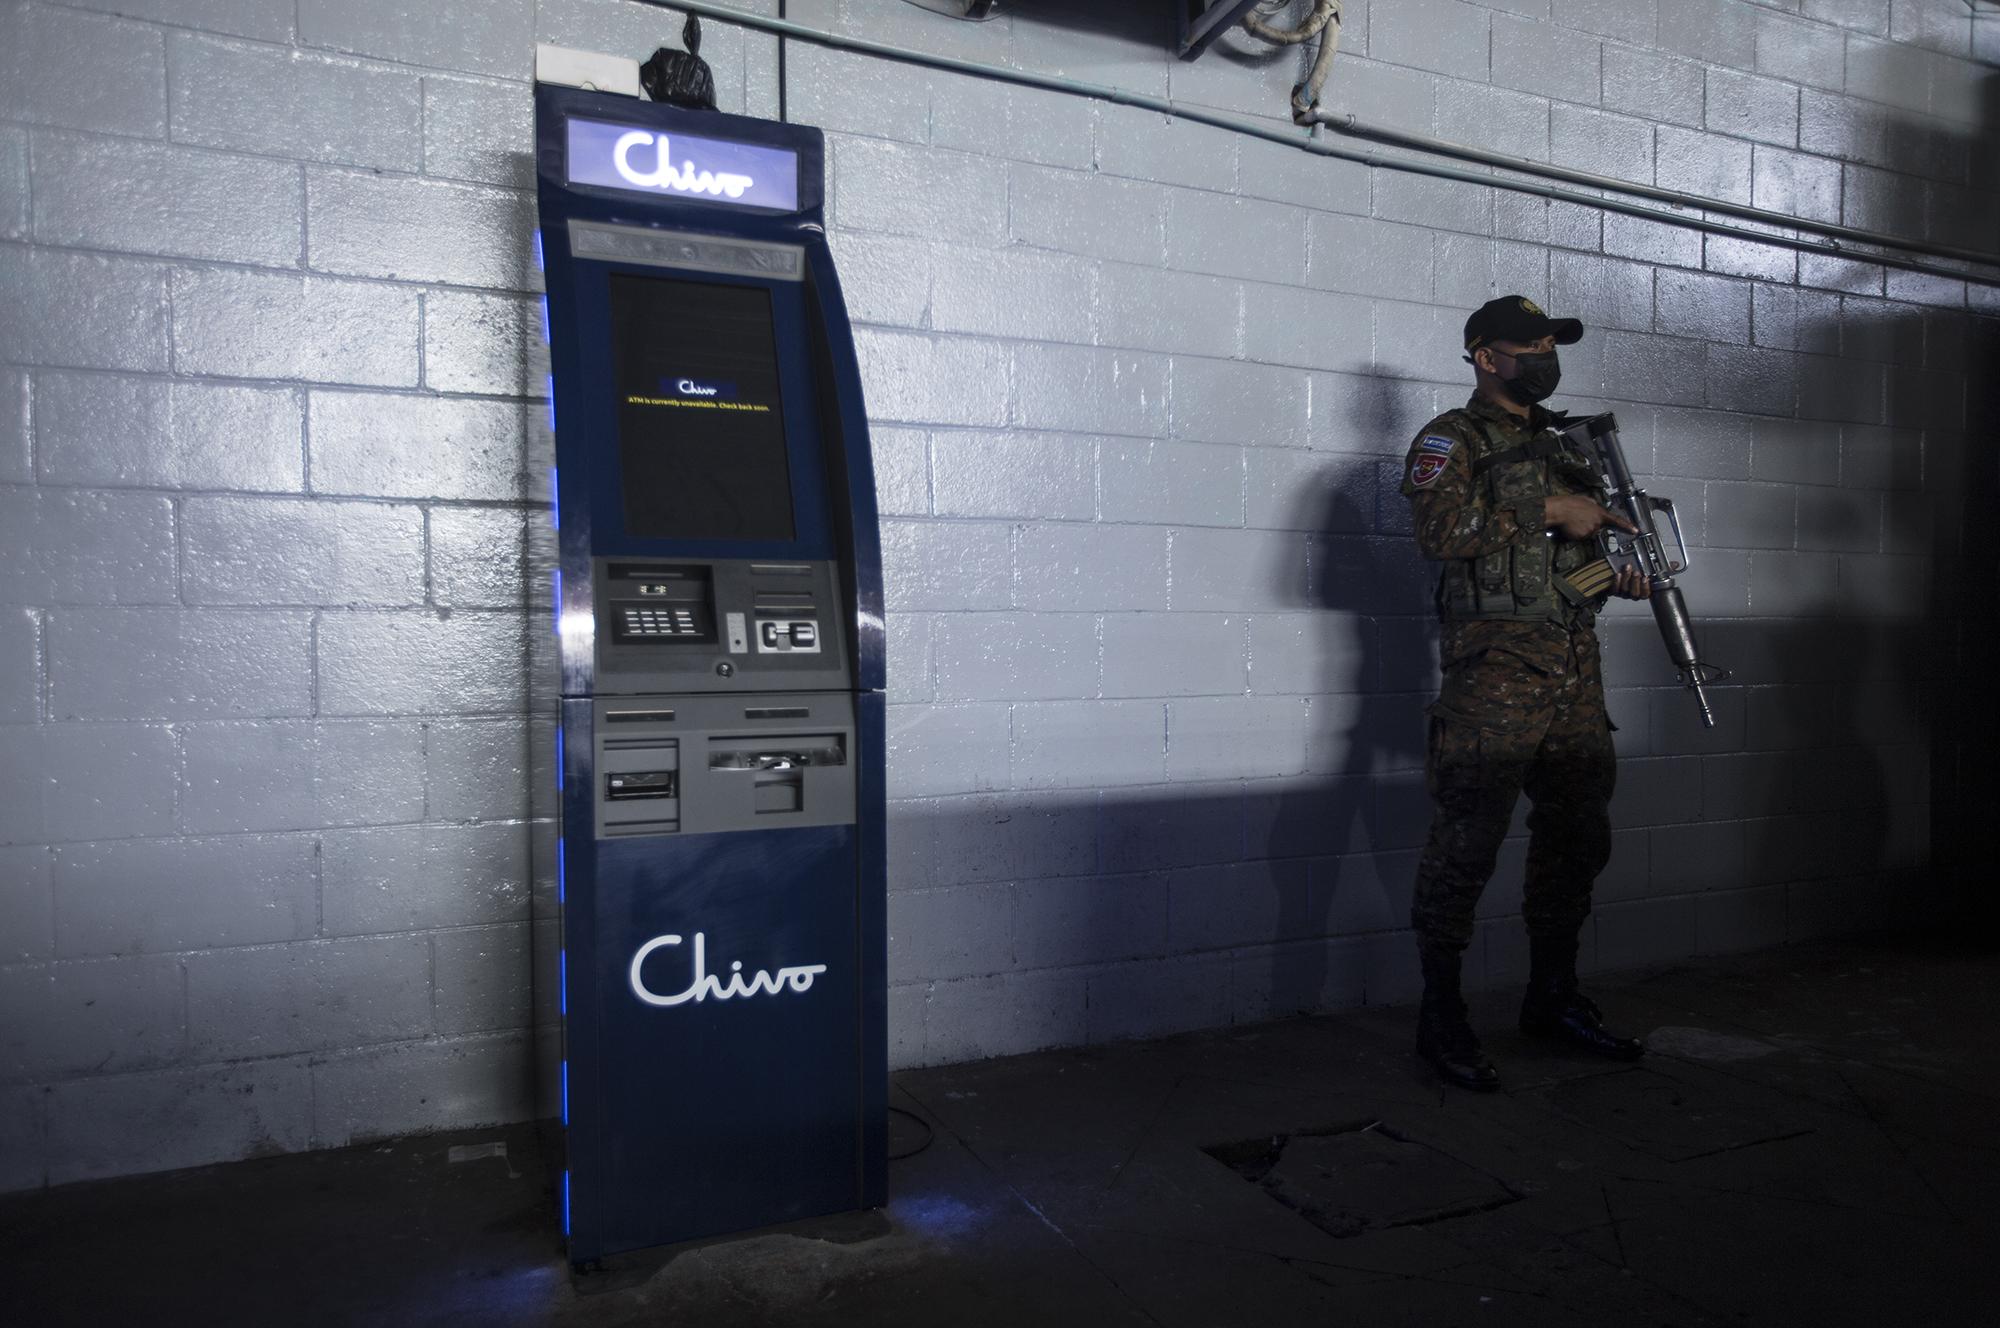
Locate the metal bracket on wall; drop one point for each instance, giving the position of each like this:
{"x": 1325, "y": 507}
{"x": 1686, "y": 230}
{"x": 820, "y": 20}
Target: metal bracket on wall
{"x": 1202, "y": 21}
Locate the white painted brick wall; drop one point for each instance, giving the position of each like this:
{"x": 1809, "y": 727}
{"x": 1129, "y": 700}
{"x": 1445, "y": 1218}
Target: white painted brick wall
{"x": 271, "y": 432}
{"x": 301, "y": 105}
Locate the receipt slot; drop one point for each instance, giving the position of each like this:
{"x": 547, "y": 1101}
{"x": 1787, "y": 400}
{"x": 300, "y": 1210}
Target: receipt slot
{"x": 718, "y": 614}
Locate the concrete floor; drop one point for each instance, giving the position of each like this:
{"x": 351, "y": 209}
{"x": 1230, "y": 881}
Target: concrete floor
{"x": 1812, "y": 1141}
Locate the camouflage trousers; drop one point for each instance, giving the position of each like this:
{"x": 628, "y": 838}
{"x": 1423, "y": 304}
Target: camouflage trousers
{"x": 1508, "y": 721}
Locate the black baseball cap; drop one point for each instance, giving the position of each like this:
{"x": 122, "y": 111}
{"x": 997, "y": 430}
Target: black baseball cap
{"x": 1517, "y": 318}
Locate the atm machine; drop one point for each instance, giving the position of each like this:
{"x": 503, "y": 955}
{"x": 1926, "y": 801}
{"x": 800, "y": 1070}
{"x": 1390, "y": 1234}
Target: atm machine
{"x": 718, "y": 605}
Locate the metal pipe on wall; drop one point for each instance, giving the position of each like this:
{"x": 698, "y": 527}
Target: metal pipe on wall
{"x": 1409, "y": 165}
{"x": 1359, "y": 128}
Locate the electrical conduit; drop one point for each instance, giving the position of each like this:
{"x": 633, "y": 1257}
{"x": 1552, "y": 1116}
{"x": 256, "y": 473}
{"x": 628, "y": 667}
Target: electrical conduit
{"x": 1899, "y": 247}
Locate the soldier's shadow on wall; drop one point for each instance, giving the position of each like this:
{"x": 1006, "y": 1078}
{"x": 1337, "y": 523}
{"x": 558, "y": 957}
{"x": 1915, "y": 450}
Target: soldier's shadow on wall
{"x": 1864, "y": 769}
{"x": 1963, "y": 653}
{"x": 1806, "y": 811}
{"x": 1960, "y": 487}
{"x": 1337, "y": 927}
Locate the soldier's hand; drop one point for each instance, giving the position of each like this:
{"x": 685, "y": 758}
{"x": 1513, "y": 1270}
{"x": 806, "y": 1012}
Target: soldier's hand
{"x": 1633, "y": 584}
{"x": 1578, "y": 517}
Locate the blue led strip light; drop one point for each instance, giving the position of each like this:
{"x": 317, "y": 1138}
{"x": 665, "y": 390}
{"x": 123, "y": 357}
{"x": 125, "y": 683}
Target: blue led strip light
{"x": 559, "y": 758}
{"x": 555, "y": 500}
{"x": 565, "y": 1201}
{"x": 555, "y": 582}
{"x": 560, "y": 874}
{"x": 565, "y": 1093}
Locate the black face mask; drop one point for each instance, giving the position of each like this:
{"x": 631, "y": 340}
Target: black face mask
{"x": 1536, "y": 374}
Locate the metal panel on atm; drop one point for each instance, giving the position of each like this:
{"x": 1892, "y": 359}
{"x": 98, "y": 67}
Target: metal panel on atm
{"x": 594, "y": 237}
{"x": 725, "y": 999}
{"x": 722, "y": 732}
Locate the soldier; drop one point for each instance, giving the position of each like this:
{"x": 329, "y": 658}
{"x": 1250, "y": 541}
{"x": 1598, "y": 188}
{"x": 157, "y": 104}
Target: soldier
{"x": 1510, "y": 511}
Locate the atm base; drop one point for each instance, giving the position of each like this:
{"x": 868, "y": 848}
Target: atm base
{"x": 617, "y": 1272}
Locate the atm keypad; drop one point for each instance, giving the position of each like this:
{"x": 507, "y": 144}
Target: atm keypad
{"x": 642, "y": 622}
{"x": 659, "y": 622}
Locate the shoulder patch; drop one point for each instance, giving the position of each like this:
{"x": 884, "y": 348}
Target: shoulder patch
{"x": 1438, "y": 443}
{"x": 1428, "y": 466}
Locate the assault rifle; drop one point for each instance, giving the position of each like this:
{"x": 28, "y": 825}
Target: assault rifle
{"x": 1596, "y": 436}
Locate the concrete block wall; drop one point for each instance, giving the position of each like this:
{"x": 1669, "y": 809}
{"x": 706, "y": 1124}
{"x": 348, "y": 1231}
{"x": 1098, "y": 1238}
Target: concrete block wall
{"x": 271, "y": 433}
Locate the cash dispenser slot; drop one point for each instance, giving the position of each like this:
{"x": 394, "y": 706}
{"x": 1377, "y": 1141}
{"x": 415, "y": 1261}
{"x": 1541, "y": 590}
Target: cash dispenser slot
{"x": 775, "y": 769}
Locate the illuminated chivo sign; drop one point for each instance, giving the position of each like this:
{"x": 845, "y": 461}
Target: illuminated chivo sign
{"x": 621, "y": 156}
{"x": 687, "y": 180}
{"x": 706, "y": 986}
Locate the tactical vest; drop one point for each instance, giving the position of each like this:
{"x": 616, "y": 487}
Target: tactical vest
{"x": 1523, "y": 581}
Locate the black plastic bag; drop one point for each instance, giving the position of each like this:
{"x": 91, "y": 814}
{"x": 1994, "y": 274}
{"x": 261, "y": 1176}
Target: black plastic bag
{"x": 681, "y": 77}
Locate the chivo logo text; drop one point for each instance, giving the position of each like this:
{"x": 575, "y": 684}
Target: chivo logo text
{"x": 707, "y": 389}
{"x": 663, "y": 174}
{"x": 705, "y": 986}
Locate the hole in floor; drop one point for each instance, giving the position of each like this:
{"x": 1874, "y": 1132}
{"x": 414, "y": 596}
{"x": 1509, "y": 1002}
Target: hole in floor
{"x": 1351, "y": 1179}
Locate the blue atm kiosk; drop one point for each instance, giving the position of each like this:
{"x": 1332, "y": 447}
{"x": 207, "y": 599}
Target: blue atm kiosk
{"x": 719, "y": 609}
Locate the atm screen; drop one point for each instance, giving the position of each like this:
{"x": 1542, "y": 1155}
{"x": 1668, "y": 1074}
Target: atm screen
{"x": 701, "y": 431}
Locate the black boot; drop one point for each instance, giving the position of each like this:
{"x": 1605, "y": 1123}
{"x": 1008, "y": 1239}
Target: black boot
{"x": 1556, "y": 1010}
{"x": 1444, "y": 1037}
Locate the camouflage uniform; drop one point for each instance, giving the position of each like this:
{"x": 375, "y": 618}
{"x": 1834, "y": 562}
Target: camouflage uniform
{"x": 1522, "y": 701}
